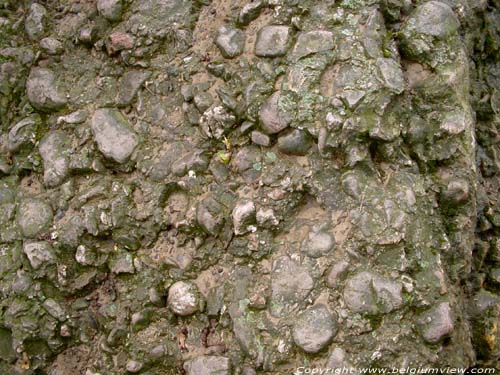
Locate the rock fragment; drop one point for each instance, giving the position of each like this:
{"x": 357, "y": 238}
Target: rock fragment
{"x": 33, "y": 216}
{"x": 42, "y": 90}
{"x": 119, "y": 41}
{"x": 231, "y": 41}
{"x": 183, "y": 298}
{"x": 318, "y": 243}
{"x": 436, "y": 323}
{"x": 52, "y": 46}
{"x": 272, "y": 41}
{"x": 294, "y": 142}
{"x": 110, "y": 9}
{"x": 208, "y": 365}
{"x": 130, "y": 83}
{"x": 36, "y": 21}
{"x": 314, "y": 329}
{"x": 54, "y": 149}
{"x": 290, "y": 285}
{"x": 312, "y": 42}
{"x": 272, "y": 117}
{"x": 38, "y": 253}
{"x": 243, "y": 216}
{"x": 114, "y": 136}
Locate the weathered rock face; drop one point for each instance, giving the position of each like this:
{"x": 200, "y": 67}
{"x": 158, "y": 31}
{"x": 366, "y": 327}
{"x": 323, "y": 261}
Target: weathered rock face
{"x": 245, "y": 187}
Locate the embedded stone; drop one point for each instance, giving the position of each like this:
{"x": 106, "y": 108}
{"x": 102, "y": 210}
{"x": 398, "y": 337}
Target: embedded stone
{"x": 294, "y": 142}
{"x": 39, "y": 253}
{"x": 130, "y": 83}
{"x": 272, "y": 41}
{"x": 456, "y": 191}
{"x": 110, "y": 9}
{"x": 23, "y": 133}
{"x": 260, "y": 138}
{"x": 42, "y": 91}
{"x": 54, "y": 149}
{"x": 291, "y": 283}
{"x": 372, "y": 294}
{"x": 312, "y": 42}
{"x": 231, "y": 41}
{"x": 435, "y": 18}
{"x": 391, "y": 74}
{"x": 274, "y": 119}
{"x": 208, "y": 365}
{"x": 52, "y": 46}
{"x": 243, "y": 216}
{"x": 436, "y": 323}
{"x": 250, "y": 11}
{"x": 114, "y": 136}
{"x": 36, "y": 21}
{"x": 318, "y": 244}
{"x": 118, "y": 41}
{"x": 314, "y": 329}
{"x": 33, "y": 216}
{"x": 209, "y": 216}
{"x": 183, "y": 298}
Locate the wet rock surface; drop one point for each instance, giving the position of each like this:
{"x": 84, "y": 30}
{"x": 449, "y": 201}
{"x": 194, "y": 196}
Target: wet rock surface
{"x": 247, "y": 187}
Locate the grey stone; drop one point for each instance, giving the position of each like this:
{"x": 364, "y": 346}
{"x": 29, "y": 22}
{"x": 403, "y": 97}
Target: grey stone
{"x": 312, "y": 42}
{"x": 230, "y": 41}
{"x": 54, "y": 149}
{"x": 209, "y": 216}
{"x": 314, "y": 329}
{"x": 33, "y": 216}
{"x": 457, "y": 191}
{"x": 250, "y": 11}
{"x": 203, "y": 101}
{"x": 196, "y": 161}
{"x": 208, "y": 365}
{"x": 130, "y": 83}
{"x": 110, "y": 9}
{"x": 272, "y": 41}
{"x": 436, "y": 323}
{"x": 123, "y": 262}
{"x": 337, "y": 270}
{"x": 454, "y": 123}
{"x": 52, "y": 46}
{"x": 370, "y": 293}
{"x": 338, "y": 360}
{"x": 39, "y": 253}
{"x": 23, "y": 133}
{"x": 134, "y": 366}
{"x": 318, "y": 244}
{"x": 274, "y": 119}
{"x": 76, "y": 117}
{"x": 290, "y": 285}
{"x": 54, "y": 309}
{"x": 243, "y": 216}
{"x": 391, "y": 74}
{"x": 260, "y": 138}
{"x": 435, "y": 18}
{"x": 294, "y": 142}
{"x": 36, "y": 21}
{"x": 183, "y": 298}
{"x": 114, "y": 136}
{"x": 42, "y": 90}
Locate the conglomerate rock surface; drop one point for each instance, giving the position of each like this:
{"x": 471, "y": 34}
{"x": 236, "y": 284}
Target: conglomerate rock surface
{"x": 247, "y": 187}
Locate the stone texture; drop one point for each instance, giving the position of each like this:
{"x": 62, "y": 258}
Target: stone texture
{"x": 110, "y": 9}
{"x": 436, "y": 323}
{"x": 33, "y": 216}
{"x": 36, "y": 21}
{"x": 230, "y": 41}
{"x": 312, "y": 42}
{"x": 314, "y": 329}
{"x": 113, "y": 134}
{"x": 243, "y": 217}
{"x": 39, "y": 253}
{"x": 272, "y": 41}
{"x": 273, "y": 119}
{"x": 208, "y": 365}
{"x": 55, "y": 149}
{"x": 183, "y": 298}
{"x": 290, "y": 285}
{"x": 43, "y": 93}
